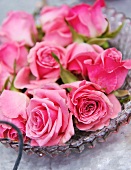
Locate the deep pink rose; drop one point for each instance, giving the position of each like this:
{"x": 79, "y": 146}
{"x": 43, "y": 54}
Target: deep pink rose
{"x": 41, "y": 62}
{"x": 13, "y": 109}
{"x": 109, "y": 70}
{"x": 19, "y": 26}
{"x": 13, "y": 56}
{"x": 88, "y": 20}
{"x": 77, "y": 54}
{"x": 49, "y": 122}
{"x": 54, "y": 25}
{"x": 90, "y": 106}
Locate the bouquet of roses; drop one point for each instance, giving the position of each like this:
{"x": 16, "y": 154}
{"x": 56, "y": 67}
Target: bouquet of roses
{"x": 58, "y": 74}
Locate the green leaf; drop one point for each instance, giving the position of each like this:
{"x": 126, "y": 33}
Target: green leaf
{"x": 123, "y": 96}
{"x": 56, "y": 58}
{"x": 121, "y": 93}
{"x": 40, "y": 33}
{"x": 5, "y": 84}
{"x": 98, "y": 41}
{"x": 76, "y": 36}
{"x": 125, "y": 99}
{"x": 39, "y": 36}
{"x": 66, "y": 75}
{"x": 106, "y": 45}
{"x": 107, "y": 30}
{"x": 114, "y": 33}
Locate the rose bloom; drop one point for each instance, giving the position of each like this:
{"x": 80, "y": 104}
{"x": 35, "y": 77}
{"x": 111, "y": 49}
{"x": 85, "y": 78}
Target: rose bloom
{"x": 41, "y": 62}
{"x": 109, "y": 70}
{"x": 13, "y": 109}
{"x": 54, "y": 25}
{"x": 77, "y": 54}
{"x": 91, "y": 108}
{"x": 19, "y": 26}
{"x": 49, "y": 121}
{"x": 13, "y": 55}
{"x": 88, "y": 20}
{"x": 25, "y": 79}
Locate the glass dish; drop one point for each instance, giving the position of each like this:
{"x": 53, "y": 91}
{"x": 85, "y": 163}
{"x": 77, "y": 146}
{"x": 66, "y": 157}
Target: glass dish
{"x": 84, "y": 140}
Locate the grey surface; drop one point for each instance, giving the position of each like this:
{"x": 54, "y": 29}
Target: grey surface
{"x": 115, "y": 154}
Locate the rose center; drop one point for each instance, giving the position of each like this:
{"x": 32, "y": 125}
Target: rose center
{"x": 46, "y": 60}
{"x": 38, "y": 120}
{"x": 86, "y": 108}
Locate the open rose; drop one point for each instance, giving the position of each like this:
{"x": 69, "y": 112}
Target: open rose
{"x": 54, "y": 25}
{"x": 49, "y": 121}
{"x": 13, "y": 56}
{"x": 90, "y": 106}
{"x": 18, "y": 26}
{"x": 41, "y": 62}
{"x": 88, "y": 20}
{"x": 109, "y": 70}
{"x": 25, "y": 79}
{"x": 77, "y": 54}
{"x": 13, "y": 109}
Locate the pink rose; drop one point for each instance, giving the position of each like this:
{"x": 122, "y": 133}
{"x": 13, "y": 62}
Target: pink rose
{"x": 109, "y": 70}
{"x": 49, "y": 14}
{"x": 77, "y": 54}
{"x": 25, "y": 79}
{"x": 59, "y": 33}
{"x": 54, "y": 25}
{"x": 88, "y": 20}
{"x": 20, "y": 27}
{"x": 13, "y": 109}
{"x": 13, "y": 55}
{"x": 41, "y": 62}
{"x": 90, "y": 106}
{"x": 49, "y": 122}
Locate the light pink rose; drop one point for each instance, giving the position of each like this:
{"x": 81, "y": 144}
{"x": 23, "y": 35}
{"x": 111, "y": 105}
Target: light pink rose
{"x": 49, "y": 122}
{"x": 59, "y": 33}
{"x": 19, "y": 26}
{"x": 109, "y": 70}
{"x": 13, "y": 109}
{"x": 88, "y": 20}
{"x": 54, "y": 25}
{"x": 90, "y": 106}
{"x": 77, "y": 54}
{"x": 13, "y": 55}
{"x": 41, "y": 62}
{"x": 50, "y": 13}
{"x": 25, "y": 79}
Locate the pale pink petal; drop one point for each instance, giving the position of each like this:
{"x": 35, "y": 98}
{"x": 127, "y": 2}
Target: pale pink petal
{"x": 116, "y": 105}
{"x": 15, "y": 105}
{"x": 69, "y": 131}
{"x": 21, "y": 32}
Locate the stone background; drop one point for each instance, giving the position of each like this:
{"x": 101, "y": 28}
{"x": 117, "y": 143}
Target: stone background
{"x": 114, "y": 154}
